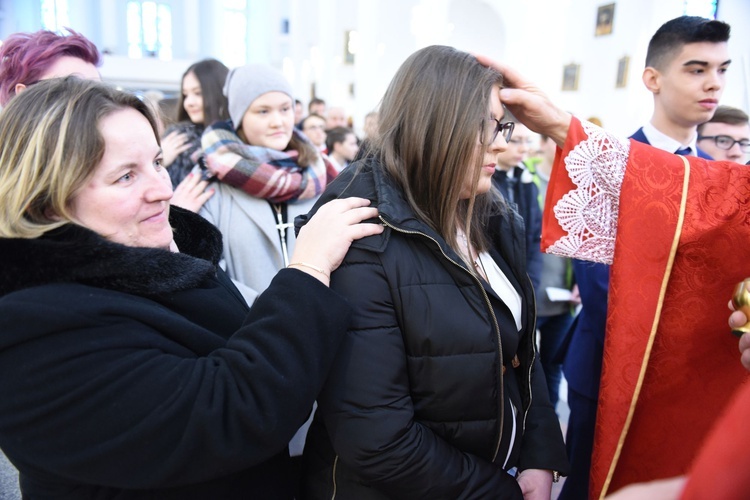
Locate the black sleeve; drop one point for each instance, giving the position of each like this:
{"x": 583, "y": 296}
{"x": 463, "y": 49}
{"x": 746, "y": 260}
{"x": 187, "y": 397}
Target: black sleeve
{"x": 542, "y": 446}
{"x": 93, "y": 397}
{"x": 534, "y": 263}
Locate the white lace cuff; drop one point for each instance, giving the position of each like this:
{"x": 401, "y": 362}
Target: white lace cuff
{"x": 588, "y": 214}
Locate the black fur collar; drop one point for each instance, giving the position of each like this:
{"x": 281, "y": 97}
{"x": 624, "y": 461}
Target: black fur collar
{"x": 73, "y": 254}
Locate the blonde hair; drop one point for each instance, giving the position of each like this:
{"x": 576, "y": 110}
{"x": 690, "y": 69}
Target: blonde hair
{"x": 430, "y": 119}
{"x": 51, "y": 146}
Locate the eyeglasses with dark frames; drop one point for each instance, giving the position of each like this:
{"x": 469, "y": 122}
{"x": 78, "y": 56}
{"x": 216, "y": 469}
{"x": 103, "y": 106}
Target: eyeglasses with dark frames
{"x": 725, "y": 142}
{"x": 496, "y": 127}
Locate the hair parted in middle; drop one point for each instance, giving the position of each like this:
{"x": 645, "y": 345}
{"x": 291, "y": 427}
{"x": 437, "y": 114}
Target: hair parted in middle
{"x": 51, "y": 145}
{"x": 431, "y": 119}
{"x": 211, "y": 74}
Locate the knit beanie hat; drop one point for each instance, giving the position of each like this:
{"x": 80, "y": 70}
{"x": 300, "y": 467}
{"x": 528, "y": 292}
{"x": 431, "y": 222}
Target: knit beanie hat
{"x": 246, "y": 83}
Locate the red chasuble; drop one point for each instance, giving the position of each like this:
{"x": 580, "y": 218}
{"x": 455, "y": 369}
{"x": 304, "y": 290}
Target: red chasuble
{"x": 721, "y": 469}
{"x": 677, "y": 233}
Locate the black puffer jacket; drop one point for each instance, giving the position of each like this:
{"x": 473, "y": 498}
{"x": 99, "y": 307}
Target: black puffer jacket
{"x": 137, "y": 373}
{"x": 414, "y": 405}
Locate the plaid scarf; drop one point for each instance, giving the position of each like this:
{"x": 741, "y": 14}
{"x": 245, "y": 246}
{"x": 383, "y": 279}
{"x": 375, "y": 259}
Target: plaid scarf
{"x": 263, "y": 172}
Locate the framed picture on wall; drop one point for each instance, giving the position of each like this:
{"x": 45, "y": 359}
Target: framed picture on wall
{"x": 605, "y": 17}
{"x": 570, "y": 76}
{"x": 622, "y": 72}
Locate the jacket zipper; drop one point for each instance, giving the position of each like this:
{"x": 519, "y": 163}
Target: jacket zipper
{"x": 494, "y": 320}
{"x": 335, "y": 464}
{"x": 533, "y": 359}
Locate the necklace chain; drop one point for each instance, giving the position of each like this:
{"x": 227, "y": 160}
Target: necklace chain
{"x": 468, "y": 250}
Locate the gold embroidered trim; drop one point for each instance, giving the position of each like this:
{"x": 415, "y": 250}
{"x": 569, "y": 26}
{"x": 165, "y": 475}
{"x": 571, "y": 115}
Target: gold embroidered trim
{"x": 654, "y": 326}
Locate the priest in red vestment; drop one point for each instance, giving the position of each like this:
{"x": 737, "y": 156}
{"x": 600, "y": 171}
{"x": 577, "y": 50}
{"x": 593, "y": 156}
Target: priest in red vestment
{"x": 675, "y": 230}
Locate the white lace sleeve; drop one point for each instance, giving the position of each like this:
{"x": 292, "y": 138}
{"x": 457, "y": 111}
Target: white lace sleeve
{"x": 588, "y": 214}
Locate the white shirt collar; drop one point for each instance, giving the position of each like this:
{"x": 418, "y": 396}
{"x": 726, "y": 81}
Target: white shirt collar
{"x": 662, "y": 141}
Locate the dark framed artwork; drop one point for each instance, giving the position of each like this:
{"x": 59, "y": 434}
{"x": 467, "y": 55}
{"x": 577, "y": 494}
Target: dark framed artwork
{"x": 570, "y": 76}
{"x": 605, "y": 18}
{"x": 622, "y": 72}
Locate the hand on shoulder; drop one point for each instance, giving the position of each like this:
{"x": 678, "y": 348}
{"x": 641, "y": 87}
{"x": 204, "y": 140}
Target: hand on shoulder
{"x": 323, "y": 242}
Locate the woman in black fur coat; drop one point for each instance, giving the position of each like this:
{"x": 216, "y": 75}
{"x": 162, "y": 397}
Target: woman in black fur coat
{"x": 130, "y": 366}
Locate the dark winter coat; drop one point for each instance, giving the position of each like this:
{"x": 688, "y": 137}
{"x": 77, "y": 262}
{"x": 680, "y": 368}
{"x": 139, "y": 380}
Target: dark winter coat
{"x": 184, "y": 163}
{"x": 138, "y": 373}
{"x": 416, "y": 401}
{"x": 525, "y": 200}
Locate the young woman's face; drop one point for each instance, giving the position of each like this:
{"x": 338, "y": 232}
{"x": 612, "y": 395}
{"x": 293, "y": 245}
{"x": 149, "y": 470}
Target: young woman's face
{"x": 488, "y": 152}
{"x": 126, "y": 199}
{"x": 269, "y": 121}
{"x": 192, "y": 98}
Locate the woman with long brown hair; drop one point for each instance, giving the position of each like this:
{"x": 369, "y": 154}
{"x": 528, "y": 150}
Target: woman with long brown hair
{"x": 201, "y": 102}
{"x": 437, "y": 391}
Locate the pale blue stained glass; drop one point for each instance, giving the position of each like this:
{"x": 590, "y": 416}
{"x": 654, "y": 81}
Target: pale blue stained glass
{"x": 55, "y": 15}
{"x": 234, "y": 33}
{"x": 702, "y": 8}
{"x": 135, "y": 51}
{"x": 150, "y": 33}
{"x": 149, "y": 30}
{"x": 165, "y": 32}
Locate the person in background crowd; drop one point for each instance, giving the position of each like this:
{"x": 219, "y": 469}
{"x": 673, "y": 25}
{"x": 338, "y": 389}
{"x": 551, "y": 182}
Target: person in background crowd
{"x": 370, "y": 132}
{"x": 317, "y": 106}
{"x": 299, "y": 111}
{"x": 371, "y": 125}
{"x": 726, "y": 136}
{"x": 554, "y": 315}
{"x": 27, "y": 58}
{"x": 131, "y": 366}
{"x": 335, "y": 117}
{"x": 314, "y": 127}
{"x": 268, "y": 172}
{"x": 342, "y": 147}
{"x": 437, "y": 391}
{"x": 517, "y": 187}
{"x": 201, "y": 103}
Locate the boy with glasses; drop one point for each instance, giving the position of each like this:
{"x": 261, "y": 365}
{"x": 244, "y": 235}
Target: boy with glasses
{"x": 726, "y": 136}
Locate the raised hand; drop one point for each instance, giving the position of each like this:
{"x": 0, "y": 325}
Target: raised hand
{"x": 191, "y": 193}
{"x": 172, "y": 145}
{"x": 529, "y": 104}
